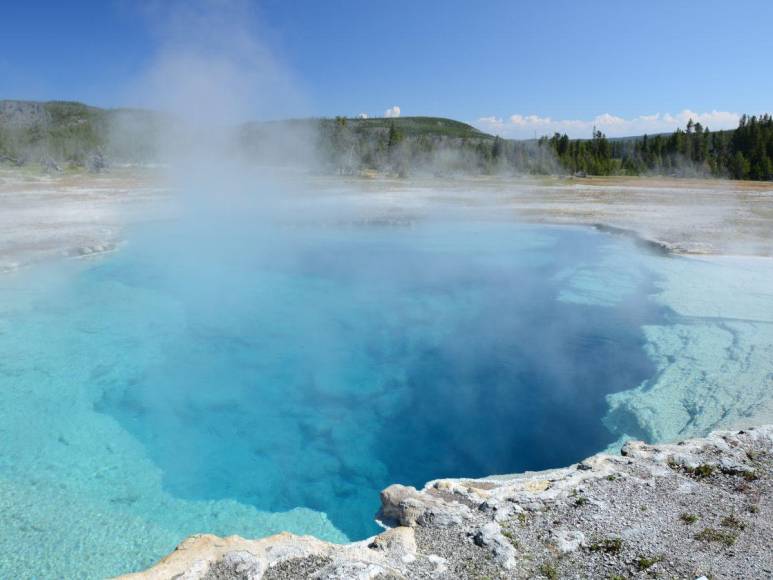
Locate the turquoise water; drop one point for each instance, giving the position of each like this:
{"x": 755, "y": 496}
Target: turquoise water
{"x": 279, "y": 380}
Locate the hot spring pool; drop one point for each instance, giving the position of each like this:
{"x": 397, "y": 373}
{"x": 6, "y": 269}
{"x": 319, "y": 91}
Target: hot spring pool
{"x": 281, "y": 385}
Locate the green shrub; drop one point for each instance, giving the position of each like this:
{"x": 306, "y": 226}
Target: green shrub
{"x": 714, "y": 535}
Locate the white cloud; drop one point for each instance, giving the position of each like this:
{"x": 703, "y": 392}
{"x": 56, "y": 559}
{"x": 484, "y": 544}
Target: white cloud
{"x": 491, "y": 124}
{"x": 530, "y": 121}
{"x": 362, "y": 116}
{"x": 524, "y": 127}
{"x": 392, "y": 112}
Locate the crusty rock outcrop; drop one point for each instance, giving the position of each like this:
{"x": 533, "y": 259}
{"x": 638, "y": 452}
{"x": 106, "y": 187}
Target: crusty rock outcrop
{"x": 697, "y": 508}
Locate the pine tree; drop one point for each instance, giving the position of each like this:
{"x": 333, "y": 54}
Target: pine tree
{"x": 497, "y": 148}
{"x": 740, "y": 166}
{"x": 395, "y": 137}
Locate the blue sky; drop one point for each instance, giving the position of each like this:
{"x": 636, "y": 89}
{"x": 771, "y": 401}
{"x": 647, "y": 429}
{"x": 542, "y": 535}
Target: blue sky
{"x": 515, "y": 68}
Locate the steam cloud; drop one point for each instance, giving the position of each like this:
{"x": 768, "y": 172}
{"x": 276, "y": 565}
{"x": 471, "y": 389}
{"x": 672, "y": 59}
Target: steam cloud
{"x": 264, "y": 350}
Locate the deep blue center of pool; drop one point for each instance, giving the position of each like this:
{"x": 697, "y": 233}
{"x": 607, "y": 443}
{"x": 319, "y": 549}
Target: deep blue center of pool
{"x": 330, "y": 363}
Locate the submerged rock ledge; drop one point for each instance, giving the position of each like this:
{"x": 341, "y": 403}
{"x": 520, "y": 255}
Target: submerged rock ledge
{"x": 702, "y": 507}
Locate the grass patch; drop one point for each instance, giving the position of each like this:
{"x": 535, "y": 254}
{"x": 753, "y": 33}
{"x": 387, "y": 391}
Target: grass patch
{"x": 643, "y": 562}
{"x": 733, "y": 522}
{"x": 714, "y": 535}
{"x": 607, "y": 545}
{"x": 548, "y": 570}
{"x": 689, "y": 518}
{"x": 581, "y": 501}
{"x": 702, "y": 471}
{"x": 511, "y": 538}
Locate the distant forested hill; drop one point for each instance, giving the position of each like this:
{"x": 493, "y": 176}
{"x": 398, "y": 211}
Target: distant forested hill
{"x": 74, "y": 133}
{"x": 413, "y": 127}
{"x": 32, "y": 132}
{"x": 351, "y": 145}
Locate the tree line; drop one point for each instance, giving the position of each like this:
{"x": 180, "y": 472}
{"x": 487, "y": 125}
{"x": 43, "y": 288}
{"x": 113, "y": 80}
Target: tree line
{"x": 743, "y": 153}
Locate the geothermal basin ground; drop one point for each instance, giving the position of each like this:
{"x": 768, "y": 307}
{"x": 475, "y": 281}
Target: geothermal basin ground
{"x": 163, "y": 379}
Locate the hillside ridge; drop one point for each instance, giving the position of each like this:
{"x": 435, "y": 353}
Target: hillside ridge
{"x": 74, "y": 133}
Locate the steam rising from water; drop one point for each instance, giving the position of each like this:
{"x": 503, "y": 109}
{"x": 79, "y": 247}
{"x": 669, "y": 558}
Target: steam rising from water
{"x": 331, "y": 362}
{"x": 314, "y": 366}
{"x": 212, "y": 69}
{"x": 212, "y": 73}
